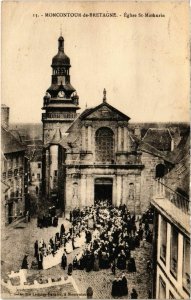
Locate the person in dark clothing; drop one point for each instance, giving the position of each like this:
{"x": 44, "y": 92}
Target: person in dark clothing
{"x": 89, "y": 262}
{"x": 134, "y": 294}
{"x": 55, "y": 221}
{"x": 121, "y": 262}
{"x": 62, "y": 230}
{"x": 88, "y": 237}
{"x": 36, "y": 248}
{"x": 71, "y": 217}
{"x": 36, "y": 189}
{"x": 40, "y": 260}
{"x": 114, "y": 291}
{"x": 89, "y": 292}
{"x": 64, "y": 261}
{"x": 24, "y": 263}
{"x": 119, "y": 287}
{"x": 124, "y": 286}
{"x": 131, "y": 265}
{"x": 70, "y": 269}
{"x": 75, "y": 263}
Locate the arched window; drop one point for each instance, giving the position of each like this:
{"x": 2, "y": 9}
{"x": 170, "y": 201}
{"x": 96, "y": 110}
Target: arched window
{"x": 104, "y": 140}
{"x": 131, "y": 191}
{"x": 160, "y": 171}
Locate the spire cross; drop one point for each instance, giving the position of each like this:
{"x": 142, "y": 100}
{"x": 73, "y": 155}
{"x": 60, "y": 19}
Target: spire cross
{"x": 104, "y": 95}
{"x": 60, "y": 29}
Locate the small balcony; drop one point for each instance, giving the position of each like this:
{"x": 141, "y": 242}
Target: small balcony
{"x": 163, "y": 191}
{"x": 172, "y": 204}
{"x": 59, "y": 116}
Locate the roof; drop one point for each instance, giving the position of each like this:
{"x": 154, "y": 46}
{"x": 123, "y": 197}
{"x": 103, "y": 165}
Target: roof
{"x": 9, "y": 143}
{"x": 182, "y": 149}
{"x": 36, "y": 156}
{"x": 90, "y": 111}
{"x": 57, "y": 137}
{"x": 146, "y": 147}
{"x": 178, "y": 179}
{"x": 160, "y": 138}
{"x": 16, "y": 135}
{"x": 4, "y": 106}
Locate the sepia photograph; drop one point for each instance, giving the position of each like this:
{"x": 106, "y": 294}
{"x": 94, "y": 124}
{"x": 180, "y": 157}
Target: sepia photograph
{"x": 95, "y": 150}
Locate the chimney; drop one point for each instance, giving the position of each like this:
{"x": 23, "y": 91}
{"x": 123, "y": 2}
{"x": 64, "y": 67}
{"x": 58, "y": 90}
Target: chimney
{"x": 172, "y": 144}
{"x": 137, "y": 132}
{"x": 5, "y": 116}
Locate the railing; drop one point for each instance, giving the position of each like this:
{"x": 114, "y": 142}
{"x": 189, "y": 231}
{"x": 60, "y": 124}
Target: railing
{"x": 59, "y": 115}
{"x": 163, "y": 191}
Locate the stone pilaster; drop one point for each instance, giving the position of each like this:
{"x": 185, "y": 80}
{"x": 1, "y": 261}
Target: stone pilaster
{"x": 119, "y": 132}
{"x": 119, "y": 189}
{"x": 83, "y": 138}
{"x": 89, "y": 138}
{"x": 83, "y": 190}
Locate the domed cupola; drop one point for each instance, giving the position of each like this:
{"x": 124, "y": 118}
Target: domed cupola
{"x": 61, "y": 59}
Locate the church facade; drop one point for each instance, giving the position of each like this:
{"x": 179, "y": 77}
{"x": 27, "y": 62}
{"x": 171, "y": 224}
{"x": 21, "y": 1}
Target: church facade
{"x": 94, "y": 155}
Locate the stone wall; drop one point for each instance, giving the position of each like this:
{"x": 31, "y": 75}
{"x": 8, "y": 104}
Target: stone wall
{"x": 80, "y": 186}
{"x": 148, "y": 178}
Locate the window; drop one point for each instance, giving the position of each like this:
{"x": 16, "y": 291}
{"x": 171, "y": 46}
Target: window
{"x": 39, "y": 165}
{"x": 174, "y": 251}
{"x": 131, "y": 191}
{"x": 162, "y": 289}
{"x": 160, "y": 171}
{"x": 55, "y": 173}
{"x": 104, "y": 145}
{"x": 163, "y": 239}
{"x": 186, "y": 265}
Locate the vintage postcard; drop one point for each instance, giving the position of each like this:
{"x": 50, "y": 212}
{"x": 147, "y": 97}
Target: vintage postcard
{"x": 95, "y": 143}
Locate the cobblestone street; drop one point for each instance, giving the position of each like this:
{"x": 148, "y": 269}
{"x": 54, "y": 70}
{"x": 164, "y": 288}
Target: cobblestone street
{"x": 18, "y": 240}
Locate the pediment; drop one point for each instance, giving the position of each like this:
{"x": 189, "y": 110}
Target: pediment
{"x": 105, "y": 112}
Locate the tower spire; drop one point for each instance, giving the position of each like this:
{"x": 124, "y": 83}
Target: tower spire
{"x": 104, "y": 95}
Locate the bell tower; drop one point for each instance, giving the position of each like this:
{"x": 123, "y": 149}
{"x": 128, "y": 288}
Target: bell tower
{"x": 61, "y": 100}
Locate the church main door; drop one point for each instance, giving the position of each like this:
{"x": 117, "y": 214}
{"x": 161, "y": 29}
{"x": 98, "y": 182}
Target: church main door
{"x": 103, "y": 190}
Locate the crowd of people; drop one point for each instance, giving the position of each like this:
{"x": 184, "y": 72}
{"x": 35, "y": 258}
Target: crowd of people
{"x": 106, "y": 236}
{"x": 111, "y": 234}
{"x": 41, "y": 249}
{"x": 48, "y": 220}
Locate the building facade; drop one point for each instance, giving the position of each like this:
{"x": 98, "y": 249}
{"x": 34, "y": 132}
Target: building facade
{"x": 14, "y": 176}
{"x": 96, "y": 155}
{"x": 171, "y": 245}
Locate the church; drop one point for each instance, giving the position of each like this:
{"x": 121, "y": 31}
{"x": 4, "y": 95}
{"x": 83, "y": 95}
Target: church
{"x": 95, "y": 155}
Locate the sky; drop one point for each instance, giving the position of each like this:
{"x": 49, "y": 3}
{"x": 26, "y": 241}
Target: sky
{"x": 142, "y": 62}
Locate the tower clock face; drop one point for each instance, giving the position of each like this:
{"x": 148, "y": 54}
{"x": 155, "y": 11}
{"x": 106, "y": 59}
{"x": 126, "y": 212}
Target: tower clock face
{"x": 61, "y": 94}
